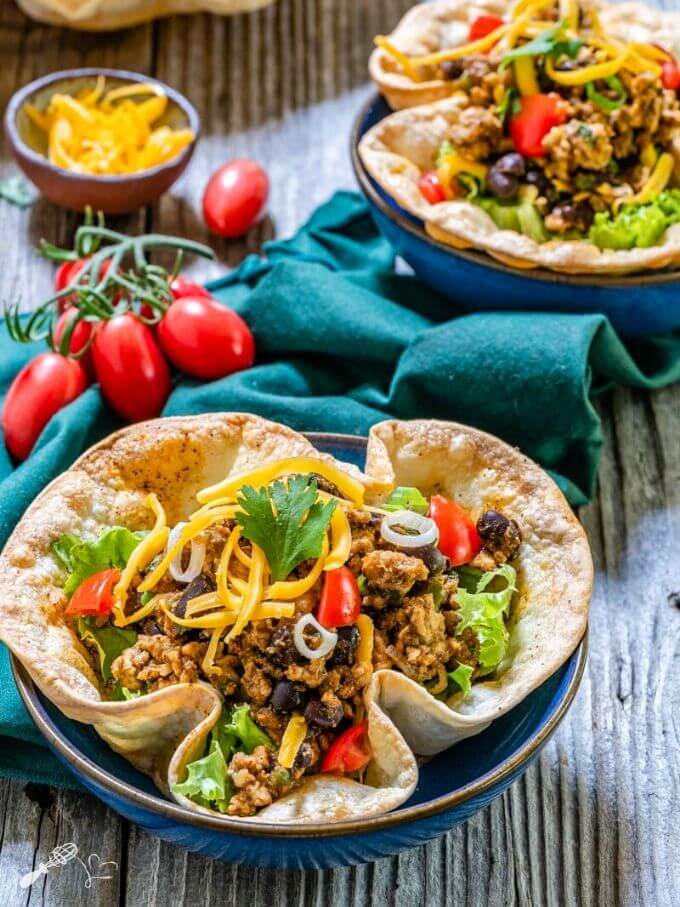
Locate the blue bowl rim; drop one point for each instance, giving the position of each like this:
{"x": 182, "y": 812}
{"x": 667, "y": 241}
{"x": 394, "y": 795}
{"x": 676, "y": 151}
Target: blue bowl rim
{"x": 399, "y": 218}
{"x": 81, "y": 764}
{"x": 23, "y": 94}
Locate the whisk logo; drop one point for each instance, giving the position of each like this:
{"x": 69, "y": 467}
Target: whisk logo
{"x": 95, "y": 868}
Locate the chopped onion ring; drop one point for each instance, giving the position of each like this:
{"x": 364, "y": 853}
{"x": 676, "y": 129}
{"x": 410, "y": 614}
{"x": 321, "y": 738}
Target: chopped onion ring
{"x": 328, "y": 638}
{"x": 195, "y": 561}
{"x": 423, "y": 528}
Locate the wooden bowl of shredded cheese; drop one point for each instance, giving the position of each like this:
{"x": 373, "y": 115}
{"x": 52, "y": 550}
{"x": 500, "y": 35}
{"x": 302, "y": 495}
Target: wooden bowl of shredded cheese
{"x": 104, "y": 138}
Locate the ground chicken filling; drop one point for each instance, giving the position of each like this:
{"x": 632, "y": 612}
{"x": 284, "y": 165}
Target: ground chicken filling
{"x": 568, "y": 133}
{"x": 268, "y": 673}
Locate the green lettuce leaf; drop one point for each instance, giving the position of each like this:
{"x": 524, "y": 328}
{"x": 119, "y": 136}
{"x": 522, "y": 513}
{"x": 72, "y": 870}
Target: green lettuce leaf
{"x": 121, "y": 693}
{"x": 462, "y": 679}
{"x": 636, "y": 226}
{"x": 110, "y": 641}
{"x": 406, "y": 498}
{"x": 207, "y": 782}
{"x": 484, "y": 613}
{"x": 239, "y": 725}
{"x": 81, "y": 559}
{"x": 520, "y": 216}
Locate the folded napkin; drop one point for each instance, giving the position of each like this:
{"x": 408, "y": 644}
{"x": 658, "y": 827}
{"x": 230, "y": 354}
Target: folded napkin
{"x": 343, "y": 341}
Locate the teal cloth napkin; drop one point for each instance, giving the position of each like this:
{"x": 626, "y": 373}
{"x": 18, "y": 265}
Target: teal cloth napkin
{"x": 343, "y": 341}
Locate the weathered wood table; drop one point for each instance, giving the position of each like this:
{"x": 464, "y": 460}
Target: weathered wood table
{"x": 595, "y": 820}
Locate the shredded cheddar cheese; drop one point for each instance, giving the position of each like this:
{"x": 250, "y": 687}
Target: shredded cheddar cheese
{"x": 143, "y": 554}
{"x": 292, "y": 740}
{"x": 657, "y": 182}
{"x": 341, "y": 538}
{"x": 364, "y": 653}
{"x": 108, "y": 134}
{"x": 525, "y": 76}
{"x": 253, "y": 594}
{"x": 586, "y": 73}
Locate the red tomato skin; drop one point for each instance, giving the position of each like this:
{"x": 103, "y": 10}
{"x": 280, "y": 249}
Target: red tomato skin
{"x": 182, "y": 286}
{"x": 67, "y": 272}
{"x": 458, "y": 536}
{"x": 133, "y": 375}
{"x": 349, "y": 752}
{"x": 431, "y": 188}
{"x": 340, "y": 604}
{"x": 235, "y": 198}
{"x": 670, "y": 74}
{"x": 94, "y": 596}
{"x": 42, "y": 387}
{"x": 483, "y": 26}
{"x": 204, "y": 339}
{"x": 81, "y": 333}
{"x": 538, "y": 114}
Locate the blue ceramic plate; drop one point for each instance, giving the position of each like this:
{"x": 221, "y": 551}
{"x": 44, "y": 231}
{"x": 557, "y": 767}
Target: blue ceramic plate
{"x": 637, "y": 305}
{"x": 452, "y": 786}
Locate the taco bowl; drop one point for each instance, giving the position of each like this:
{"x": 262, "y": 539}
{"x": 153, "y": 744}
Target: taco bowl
{"x": 304, "y": 697}
{"x": 555, "y": 145}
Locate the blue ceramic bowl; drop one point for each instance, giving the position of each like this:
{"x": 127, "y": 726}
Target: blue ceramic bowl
{"x": 637, "y": 305}
{"x": 452, "y": 786}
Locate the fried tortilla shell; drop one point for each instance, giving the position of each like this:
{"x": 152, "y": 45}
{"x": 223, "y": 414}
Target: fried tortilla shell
{"x": 400, "y": 147}
{"x": 161, "y": 732}
{"x": 430, "y": 27}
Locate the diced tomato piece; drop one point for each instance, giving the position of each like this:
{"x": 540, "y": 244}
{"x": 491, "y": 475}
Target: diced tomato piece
{"x": 94, "y": 596}
{"x": 537, "y": 116}
{"x": 483, "y": 26}
{"x": 458, "y": 537}
{"x": 350, "y": 752}
{"x": 670, "y": 74}
{"x": 431, "y": 188}
{"x": 340, "y": 603}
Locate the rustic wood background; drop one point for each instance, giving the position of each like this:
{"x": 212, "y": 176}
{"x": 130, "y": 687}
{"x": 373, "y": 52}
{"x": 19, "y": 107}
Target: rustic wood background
{"x": 595, "y": 820}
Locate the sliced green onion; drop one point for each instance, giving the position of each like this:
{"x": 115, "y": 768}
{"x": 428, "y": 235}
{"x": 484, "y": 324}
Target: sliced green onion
{"x": 605, "y": 103}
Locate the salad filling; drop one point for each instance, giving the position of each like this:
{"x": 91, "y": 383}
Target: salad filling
{"x": 564, "y": 131}
{"x": 286, "y": 592}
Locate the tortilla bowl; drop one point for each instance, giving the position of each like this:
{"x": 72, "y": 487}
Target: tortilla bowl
{"x": 164, "y": 730}
{"x": 636, "y": 304}
{"x": 452, "y": 786}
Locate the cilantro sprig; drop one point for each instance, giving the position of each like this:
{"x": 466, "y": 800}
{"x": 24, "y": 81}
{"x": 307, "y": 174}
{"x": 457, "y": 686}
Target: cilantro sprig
{"x": 287, "y": 520}
{"x": 550, "y": 43}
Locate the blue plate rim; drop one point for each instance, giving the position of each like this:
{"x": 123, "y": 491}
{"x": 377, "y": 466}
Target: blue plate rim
{"x": 416, "y": 229}
{"x": 80, "y": 763}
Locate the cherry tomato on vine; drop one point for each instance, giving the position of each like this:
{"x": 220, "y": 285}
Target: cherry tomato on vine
{"x": 349, "y": 752}
{"x": 431, "y": 188}
{"x": 81, "y": 332}
{"x": 133, "y": 375}
{"x": 204, "y": 339}
{"x": 483, "y": 26}
{"x": 235, "y": 198}
{"x": 340, "y": 603}
{"x": 42, "y": 387}
{"x": 94, "y": 596}
{"x": 458, "y": 537}
{"x": 67, "y": 272}
{"x": 182, "y": 286}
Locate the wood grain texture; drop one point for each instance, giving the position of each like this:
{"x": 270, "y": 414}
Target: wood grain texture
{"x": 594, "y": 821}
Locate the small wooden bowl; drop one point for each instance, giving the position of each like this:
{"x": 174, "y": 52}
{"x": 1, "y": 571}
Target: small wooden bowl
{"x": 76, "y": 191}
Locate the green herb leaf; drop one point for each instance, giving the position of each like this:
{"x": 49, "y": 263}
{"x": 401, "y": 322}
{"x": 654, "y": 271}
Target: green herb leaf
{"x": 462, "y": 678}
{"x": 550, "y": 43}
{"x": 287, "y": 520}
{"x": 406, "y": 498}
{"x": 603, "y": 101}
{"x": 484, "y": 613}
{"x": 110, "y": 641}
{"x": 509, "y": 105}
{"x": 17, "y": 191}
{"x": 112, "y": 549}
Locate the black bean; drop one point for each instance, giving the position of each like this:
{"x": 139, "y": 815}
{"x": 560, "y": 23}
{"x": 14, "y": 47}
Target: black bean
{"x": 281, "y": 649}
{"x": 545, "y": 188}
{"x": 577, "y": 216}
{"x": 288, "y": 696}
{"x": 150, "y": 628}
{"x": 303, "y": 758}
{"x": 452, "y": 69}
{"x": 502, "y": 185}
{"x": 512, "y": 163}
{"x": 322, "y": 715}
{"x": 343, "y": 653}
{"x": 198, "y": 586}
{"x": 492, "y": 526}
{"x": 431, "y": 556}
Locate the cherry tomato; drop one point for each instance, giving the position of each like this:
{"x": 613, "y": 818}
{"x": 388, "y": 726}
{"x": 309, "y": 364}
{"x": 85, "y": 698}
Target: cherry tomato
{"x": 205, "y": 339}
{"x": 94, "y": 596}
{"x": 670, "y": 74}
{"x": 483, "y": 26}
{"x": 537, "y": 116}
{"x": 340, "y": 603}
{"x": 181, "y": 286}
{"x": 349, "y": 752}
{"x": 132, "y": 373}
{"x": 235, "y": 198}
{"x": 431, "y": 188}
{"x": 81, "y": 332}
{"x": 458, "y": 537}
{"x": 43, "y": 386}
{"x": 67, "y": 272}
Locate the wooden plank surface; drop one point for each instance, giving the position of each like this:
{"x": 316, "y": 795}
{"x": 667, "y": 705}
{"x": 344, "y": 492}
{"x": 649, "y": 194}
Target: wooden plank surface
{"x": 594, "y": 821}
